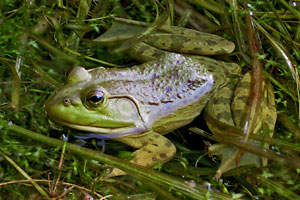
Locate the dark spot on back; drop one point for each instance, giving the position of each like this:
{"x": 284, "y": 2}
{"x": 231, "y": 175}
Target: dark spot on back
{"x": 166, "y": 100}
{"x": 198, "y": 49}
{"x": 153, "y": 103}
{"x": 211, "y": 42}
{"x": 163, "y": 155}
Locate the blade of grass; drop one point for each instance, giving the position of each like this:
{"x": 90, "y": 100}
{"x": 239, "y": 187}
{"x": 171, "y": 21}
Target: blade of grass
{"x": 60, "y": 165}
{"x": 232, "y": 132}
{"x": 60, "y": 4}
{"x": 185, "y": 17}
{"x": 54, "y": 50}
{"x": 45, "y": 75}
{"x": 15, "y": 95}
{"x": 137, "y": 171}
{"x": 278, "y": 84}
{"x": 237, "y": 135}
{"x": 285, "y": 55}
{"x": 198, "y": 21}
{"x": 293, "y": 162}
{"x": 281, "y": 26}
{"x": 61, "y": 183}
{"x": 293, "y": 10}
{"x": 21, "y": 171}
{"x": 91, "y": 58}
{"x": 256, "y": 80}
{"x": 159, "y": 21}
{"x": 280, "y": 49}
{"x": 237, "y": 25}
{"x": 16, "y": 83}
{"x": 209, "y": 4}
{"x": 37, "y": 70}
{"x": 239, "y": 34}
{"x": 288, "y": 38}
{"x": 278, "y": 188}
{"x": 282, "y": 14}
{"x": 286, "y": 121}
{"x": 171, "y": 6}
{"x": 82, "y": 11}
{"x": 142, "y": 7}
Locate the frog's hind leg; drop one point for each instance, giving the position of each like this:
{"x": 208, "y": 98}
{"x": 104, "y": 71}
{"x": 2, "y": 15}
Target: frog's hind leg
{"x": 230, "y": 109}
{"x": 219, "y": 108}
{"x": 152, "y": 149}
{"x": 266, "y": 116}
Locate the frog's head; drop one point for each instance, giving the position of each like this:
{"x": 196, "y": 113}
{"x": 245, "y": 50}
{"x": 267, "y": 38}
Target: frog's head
{"x": 84, "y": 104}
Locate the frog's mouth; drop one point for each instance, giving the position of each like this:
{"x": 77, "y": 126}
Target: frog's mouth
{"x": 104, "y": 132}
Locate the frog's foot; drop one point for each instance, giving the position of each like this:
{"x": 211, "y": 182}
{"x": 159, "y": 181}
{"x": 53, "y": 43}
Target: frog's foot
{"x": 100, "y": 140}
{"x": 152, "y": 149}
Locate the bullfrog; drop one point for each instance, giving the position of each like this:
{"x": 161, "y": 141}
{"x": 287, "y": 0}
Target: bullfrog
{"x": 139, "y": 104}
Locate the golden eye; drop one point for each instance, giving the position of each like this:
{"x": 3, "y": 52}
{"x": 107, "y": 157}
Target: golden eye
{"x": 95, "y": 97}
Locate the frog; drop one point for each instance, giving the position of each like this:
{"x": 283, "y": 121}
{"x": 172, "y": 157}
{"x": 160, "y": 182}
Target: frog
{"x": 138, "y": 105}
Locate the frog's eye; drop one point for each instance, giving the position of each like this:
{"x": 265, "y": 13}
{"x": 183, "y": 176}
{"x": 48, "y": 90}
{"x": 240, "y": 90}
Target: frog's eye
{"x": 95, "y": 97}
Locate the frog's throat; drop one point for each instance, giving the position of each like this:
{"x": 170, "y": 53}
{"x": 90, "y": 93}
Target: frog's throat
{"x": 109, "y": 132}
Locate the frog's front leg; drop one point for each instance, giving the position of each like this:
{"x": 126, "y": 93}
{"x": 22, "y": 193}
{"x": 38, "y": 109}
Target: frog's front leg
{"x": 152, "y": 148}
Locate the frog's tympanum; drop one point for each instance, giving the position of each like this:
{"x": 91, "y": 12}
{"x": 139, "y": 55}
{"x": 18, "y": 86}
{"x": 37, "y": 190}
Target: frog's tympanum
{"x": 138, "y": 105}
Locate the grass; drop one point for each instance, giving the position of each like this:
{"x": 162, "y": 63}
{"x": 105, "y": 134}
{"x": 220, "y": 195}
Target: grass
{"x": 40, "y": 41}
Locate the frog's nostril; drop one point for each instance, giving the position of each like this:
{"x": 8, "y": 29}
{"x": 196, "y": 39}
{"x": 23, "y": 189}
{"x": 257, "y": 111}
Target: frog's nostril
{"x": 71, "y": 101}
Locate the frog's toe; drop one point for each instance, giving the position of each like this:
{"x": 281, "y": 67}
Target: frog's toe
{"x": 115, "y": 172}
